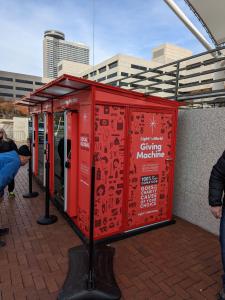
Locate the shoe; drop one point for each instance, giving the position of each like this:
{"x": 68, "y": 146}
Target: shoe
{"x": 4, "y": 231}
{"x": 11, "y": 195}
{"x": 2, "y": 244}
{"x": 1, "y": 196}
{"x": 221, "y": 295}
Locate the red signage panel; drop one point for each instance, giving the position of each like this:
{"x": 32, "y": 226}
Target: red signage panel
{"x": 84, "y": 162}
{"x": 109, "y": 165}
{"x": 150, "y": 165}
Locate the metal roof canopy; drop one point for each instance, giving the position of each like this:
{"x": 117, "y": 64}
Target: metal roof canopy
{"x": 67, "y": 85}
{"x": 212, "y": 16}
{"x": 62, "y": 86}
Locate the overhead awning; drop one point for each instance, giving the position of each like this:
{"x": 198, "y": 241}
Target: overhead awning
{"x": 62, "y": 86}
{"x": 212, "y": 16}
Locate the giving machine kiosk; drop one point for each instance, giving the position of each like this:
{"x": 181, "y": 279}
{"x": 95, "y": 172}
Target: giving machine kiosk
{"x": 129, "y": 138}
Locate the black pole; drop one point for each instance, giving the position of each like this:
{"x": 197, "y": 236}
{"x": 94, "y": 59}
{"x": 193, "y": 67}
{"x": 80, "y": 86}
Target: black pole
{"x": 90, "y": 282}
{"x": 47, "y": 193}
{"x": 177, "y": 81}
{"x": 47, "y": 219}
{"x": 30, "y": 194}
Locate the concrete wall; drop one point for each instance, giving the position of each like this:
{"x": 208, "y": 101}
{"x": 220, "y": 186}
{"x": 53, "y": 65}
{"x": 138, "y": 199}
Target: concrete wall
{"x": 200, "y": 142}
{"x": 20, "y": 129}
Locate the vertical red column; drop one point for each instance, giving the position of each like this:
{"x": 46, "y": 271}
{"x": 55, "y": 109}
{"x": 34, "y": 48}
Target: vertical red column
{"x": 50, "y": 133}
{"x": 72, "y": 172}
{"x": 35, "y": 145}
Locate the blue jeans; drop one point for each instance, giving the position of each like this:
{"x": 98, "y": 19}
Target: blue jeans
{"x": 1, "y": 193}
{"x": 222, "y": 243}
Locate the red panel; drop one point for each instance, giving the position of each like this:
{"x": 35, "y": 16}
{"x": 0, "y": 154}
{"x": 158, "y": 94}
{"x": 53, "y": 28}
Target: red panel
{"x": 139, "y": 100}
{"x": 72, "y": 171}
{"x": 109, "y": 165}
{"x": 151, "y": 162}
{"x": 72, "y": 102}
{"x": 35, "y": 109}
{"x": 84, "y": 168}
{"x": 47, "y": 106}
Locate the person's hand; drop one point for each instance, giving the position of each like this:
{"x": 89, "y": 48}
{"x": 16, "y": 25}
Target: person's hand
{"x": 216, "y": 211}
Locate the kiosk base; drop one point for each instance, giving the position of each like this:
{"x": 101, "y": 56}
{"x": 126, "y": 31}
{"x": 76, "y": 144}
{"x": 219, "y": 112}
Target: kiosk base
{"x": 31, "y": 195}
{"x": 76, "y": 284}
{"x": 47, "y": 220}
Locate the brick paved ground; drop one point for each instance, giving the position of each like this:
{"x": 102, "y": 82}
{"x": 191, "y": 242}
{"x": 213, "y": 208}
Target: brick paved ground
{"x": 177, "y": 262}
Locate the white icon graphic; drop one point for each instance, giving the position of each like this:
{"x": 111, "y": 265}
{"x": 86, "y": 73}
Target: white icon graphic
{"x": 85, "y": 116}
{"x": 153, "y": 124}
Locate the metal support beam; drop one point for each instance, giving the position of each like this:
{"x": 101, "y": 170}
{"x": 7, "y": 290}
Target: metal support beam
{"x": 176, "y": 9}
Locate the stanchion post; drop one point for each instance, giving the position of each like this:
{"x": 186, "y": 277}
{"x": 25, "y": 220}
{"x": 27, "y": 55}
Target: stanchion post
{"x": 30, "y": 194}
{"x": 87, "y": 278}
{"x": 47, "y": 219}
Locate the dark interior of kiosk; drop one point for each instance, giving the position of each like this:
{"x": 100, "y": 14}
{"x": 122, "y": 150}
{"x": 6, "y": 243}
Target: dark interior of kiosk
{"x": 41, "y": 148}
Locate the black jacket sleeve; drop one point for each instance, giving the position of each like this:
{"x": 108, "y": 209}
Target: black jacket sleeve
{"x": 217, "y": 182}
{"x": 13, "y": 146}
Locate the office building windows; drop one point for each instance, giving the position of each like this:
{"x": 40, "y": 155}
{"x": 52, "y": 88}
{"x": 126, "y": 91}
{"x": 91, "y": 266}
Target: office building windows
{"x": 113, "y": 64}
{"x": 112, "y": 75}
{"x": 138, "y": 76}
{"x": 103, "y": 69}
{"x": 6, "y": 95}
{"x": 101, "y": 79}
{"x": 2, "y": 86}
{"x": 113, "y": 83}
{"x": 93, "y": 73}
{"x": 138, "y": 67}
{"x": 24, "y": 81}
{"x": 6, "y": 79}
{"x": 123, "y": 83}
{"x": 23, "y": 89}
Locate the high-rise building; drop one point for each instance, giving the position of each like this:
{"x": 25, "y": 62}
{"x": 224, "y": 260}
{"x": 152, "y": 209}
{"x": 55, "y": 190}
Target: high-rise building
{"x": 56, "y": 48}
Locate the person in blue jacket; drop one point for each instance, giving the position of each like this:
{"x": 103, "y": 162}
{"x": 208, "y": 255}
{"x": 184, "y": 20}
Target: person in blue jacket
{"x": 10, "y": 163}
{"x": 6, "y": 145}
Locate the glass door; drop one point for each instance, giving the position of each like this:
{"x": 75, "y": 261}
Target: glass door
{"x": 59, "y": 156}
{"x": 71, "y": 165}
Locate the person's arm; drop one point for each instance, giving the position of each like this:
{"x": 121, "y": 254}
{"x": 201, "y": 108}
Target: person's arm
{"x": 217, "y": 182}
{"x": 216, "y": 187}
{"x": 8, "y": 171}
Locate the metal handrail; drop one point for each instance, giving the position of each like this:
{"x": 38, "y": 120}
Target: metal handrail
{"x": 174, "y": 80}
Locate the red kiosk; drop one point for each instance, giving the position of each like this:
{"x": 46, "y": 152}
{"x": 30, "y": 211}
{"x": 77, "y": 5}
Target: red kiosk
{"x": 130, "y": 137}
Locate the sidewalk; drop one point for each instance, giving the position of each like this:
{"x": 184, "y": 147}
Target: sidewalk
{"x": 180, "y": 261}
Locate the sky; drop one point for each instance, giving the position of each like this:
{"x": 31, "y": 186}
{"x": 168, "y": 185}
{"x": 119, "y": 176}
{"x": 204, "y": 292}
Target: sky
{"x": 132, "y": 27}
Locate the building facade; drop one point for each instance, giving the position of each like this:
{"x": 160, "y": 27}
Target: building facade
{"x": 121, "y": 65}
{"x": 15, "y": 85}
{"x": 56, "y": 48}
{"x": 195, "y": 74}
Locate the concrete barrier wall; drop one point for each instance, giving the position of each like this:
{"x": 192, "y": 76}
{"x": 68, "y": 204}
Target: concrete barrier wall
{"x": 200, "y": 142}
